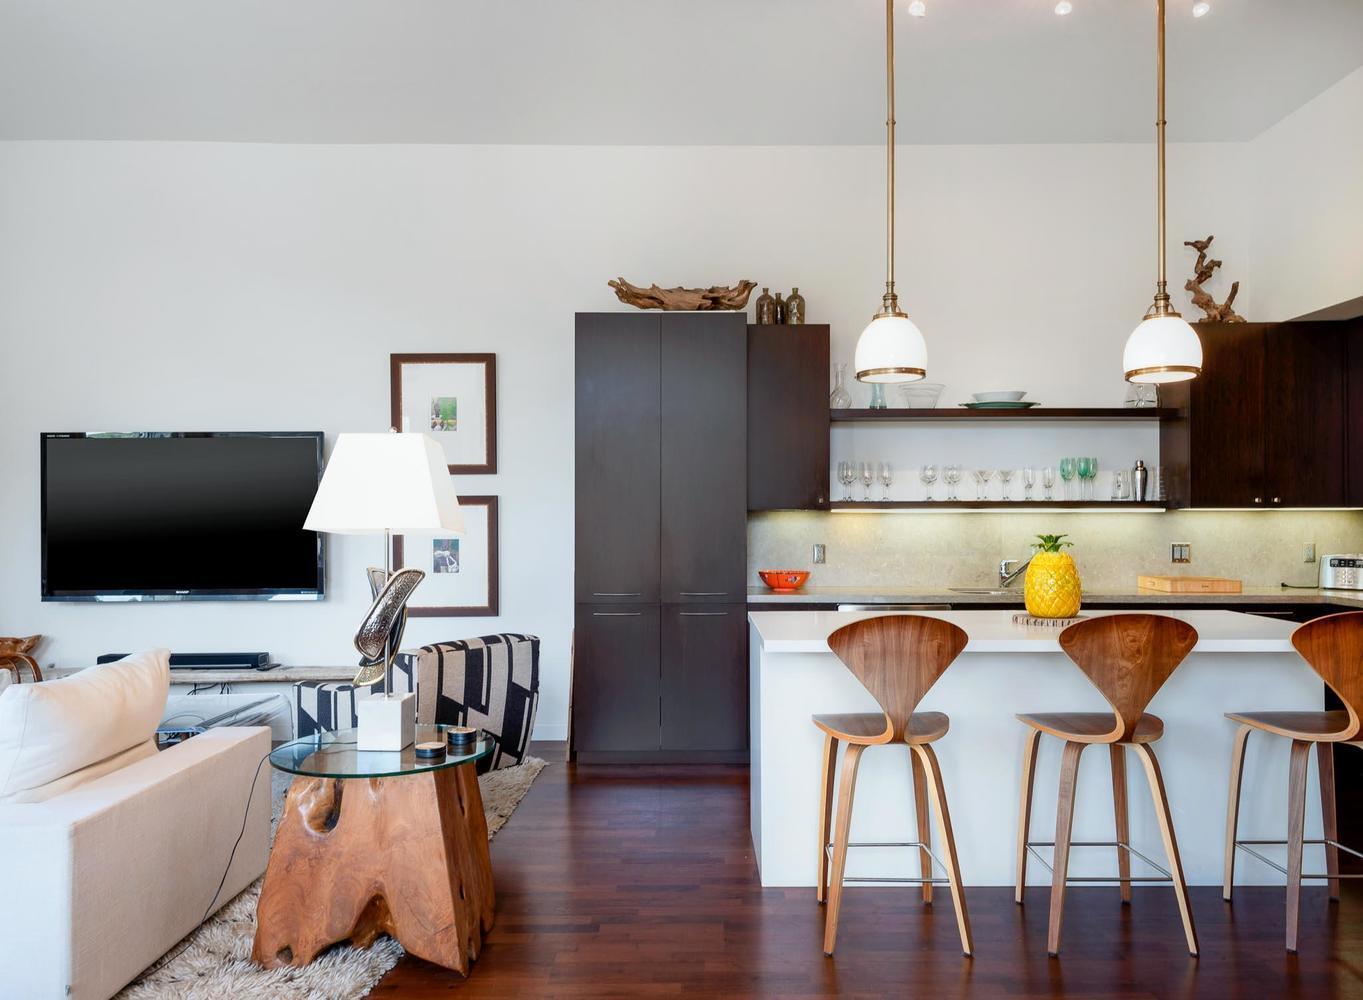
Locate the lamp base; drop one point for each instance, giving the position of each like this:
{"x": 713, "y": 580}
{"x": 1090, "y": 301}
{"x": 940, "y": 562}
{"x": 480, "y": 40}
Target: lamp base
{"x": 387, "y": 722}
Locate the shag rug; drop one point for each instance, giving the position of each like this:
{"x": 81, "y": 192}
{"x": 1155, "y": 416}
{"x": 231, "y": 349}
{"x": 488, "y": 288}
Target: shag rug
{"x": 214, "y": 961}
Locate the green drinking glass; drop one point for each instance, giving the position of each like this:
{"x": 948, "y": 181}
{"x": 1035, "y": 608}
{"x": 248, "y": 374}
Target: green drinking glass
{"x": 1067, "y": 473}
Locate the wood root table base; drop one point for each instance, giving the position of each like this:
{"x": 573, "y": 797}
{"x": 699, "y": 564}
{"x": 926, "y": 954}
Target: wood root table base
{"x": 354, "y": 858}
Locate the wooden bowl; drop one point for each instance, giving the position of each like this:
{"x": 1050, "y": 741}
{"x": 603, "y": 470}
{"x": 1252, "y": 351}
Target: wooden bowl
{"x": 784, "y": 581}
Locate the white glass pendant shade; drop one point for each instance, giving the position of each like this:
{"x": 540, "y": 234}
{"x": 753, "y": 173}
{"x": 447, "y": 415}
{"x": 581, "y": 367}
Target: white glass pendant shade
{"x": 891, "y": 349}
{"x": 1162, "y": 349}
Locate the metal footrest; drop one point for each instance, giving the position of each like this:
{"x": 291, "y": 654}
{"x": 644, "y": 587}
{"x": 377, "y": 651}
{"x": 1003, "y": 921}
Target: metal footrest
{"x": 1164, "y": 875}
{"x": 1244, "y": 846}
{"x": 828, "y": 849}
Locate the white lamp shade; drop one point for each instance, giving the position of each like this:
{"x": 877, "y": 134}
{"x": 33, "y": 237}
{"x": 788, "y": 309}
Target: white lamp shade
{"x": 385, "y": 482}
{"x": 891, "y": 349}
{"x": 1162, "y": 349}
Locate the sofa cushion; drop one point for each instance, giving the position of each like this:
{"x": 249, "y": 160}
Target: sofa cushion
{"x": 57, "y": 728}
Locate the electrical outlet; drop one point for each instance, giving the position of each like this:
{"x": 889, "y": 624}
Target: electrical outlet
{"x": 1181, "y": 552}
{"x": 1308, "y": 552}
{"x": 819, "y": 553}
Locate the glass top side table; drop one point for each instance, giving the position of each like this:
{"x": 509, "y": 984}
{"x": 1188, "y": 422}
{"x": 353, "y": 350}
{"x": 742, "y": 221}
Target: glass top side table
{"x": 333, "y": 755}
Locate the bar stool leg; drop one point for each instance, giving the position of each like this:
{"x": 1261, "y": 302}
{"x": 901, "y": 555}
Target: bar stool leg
{"x": 1237, "y": 771}
{"x": 1166, "y": 826}
{"x": 841, "y": 834}
{"x": 1326, "y": 759}
{"x": 1064, "y": 826}
{"x": 1296, "y": 827}
{"x": 830, "y": 763}
{"x": 1118, "y": 757}
{"x": 924, "y": 823}
{"x": 948, "y": 842}
{"x": 1025, "y": 808}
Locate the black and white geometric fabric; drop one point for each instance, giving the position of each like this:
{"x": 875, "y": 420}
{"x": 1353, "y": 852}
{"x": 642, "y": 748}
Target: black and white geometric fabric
{"x": 326, "y": 706}
{"x": 491, "y": 682}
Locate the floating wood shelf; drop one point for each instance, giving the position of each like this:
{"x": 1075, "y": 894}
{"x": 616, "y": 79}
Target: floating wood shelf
{"x": 1110, "y": 505}
{"x": 1037, "y": 413}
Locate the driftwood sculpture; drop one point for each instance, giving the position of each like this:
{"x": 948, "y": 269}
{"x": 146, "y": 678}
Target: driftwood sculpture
{"x": 653, "y": 297}
{"x": 1205, "y": 268}
{"x": 14, "y": 656}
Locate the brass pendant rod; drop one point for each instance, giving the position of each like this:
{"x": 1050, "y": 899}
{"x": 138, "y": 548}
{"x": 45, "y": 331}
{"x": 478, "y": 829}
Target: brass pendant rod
{"x": 1162, "y": 291}
{"x": 889, "y": 146}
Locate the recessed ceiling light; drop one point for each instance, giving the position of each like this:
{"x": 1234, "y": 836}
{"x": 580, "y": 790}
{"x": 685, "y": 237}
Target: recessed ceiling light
{"x": 1199, "y": 9}
{"x": 918, "y": 8}
{"x": 1064, "y": 7}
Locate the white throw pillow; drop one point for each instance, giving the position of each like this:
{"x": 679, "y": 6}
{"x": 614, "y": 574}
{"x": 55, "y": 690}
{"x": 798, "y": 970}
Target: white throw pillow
{"x": 53, "y": 729}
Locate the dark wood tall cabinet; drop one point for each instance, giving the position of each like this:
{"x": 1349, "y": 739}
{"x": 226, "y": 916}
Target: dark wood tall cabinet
{"x": 660, "y": 648}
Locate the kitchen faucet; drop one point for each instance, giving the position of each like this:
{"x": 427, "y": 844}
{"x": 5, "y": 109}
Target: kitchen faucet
{"x": 1008, "y": 574}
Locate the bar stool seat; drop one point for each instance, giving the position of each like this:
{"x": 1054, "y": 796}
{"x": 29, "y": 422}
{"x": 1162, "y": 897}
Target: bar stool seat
{"x": 871, "y": 729}
{"x": 1325, "y": 727}
{"x": 1093, "y": 727}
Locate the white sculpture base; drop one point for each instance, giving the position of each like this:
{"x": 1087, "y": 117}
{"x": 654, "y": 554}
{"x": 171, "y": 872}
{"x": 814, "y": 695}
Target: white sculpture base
{"x": 387, "y": 722}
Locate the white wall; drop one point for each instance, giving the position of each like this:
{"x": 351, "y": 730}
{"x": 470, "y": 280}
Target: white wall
{"x": 153, "y": 286}
{"x": 1306, "y": 187}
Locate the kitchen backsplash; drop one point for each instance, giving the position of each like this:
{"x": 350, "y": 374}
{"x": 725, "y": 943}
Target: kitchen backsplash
{"x": 1261, "y": 548}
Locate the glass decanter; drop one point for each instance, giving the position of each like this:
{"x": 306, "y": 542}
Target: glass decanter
{"x": 839, "y": 398}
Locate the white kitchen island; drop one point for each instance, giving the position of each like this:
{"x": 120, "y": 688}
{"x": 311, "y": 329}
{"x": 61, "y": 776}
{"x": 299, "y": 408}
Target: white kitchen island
{"x": 1241, "y": 663}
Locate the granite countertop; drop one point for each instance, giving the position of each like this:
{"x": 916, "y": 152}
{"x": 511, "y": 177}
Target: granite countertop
{"x": 943, "y": 595}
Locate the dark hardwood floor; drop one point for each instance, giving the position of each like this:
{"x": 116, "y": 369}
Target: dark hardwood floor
{"x": 618, "y": 881}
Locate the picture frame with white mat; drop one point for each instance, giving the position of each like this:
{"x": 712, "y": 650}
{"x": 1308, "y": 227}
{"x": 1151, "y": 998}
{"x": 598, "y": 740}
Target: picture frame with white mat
{"x": 453, "y": 398}
{"x": 462, "y": 578}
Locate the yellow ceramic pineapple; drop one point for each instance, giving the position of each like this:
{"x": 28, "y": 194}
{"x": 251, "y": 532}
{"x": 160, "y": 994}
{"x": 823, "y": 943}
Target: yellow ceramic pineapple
{"x": 1051, "y": 589}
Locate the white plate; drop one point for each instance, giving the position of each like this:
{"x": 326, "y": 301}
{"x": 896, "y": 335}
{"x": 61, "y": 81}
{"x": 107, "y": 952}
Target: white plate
{"x": 1010, "y": 396}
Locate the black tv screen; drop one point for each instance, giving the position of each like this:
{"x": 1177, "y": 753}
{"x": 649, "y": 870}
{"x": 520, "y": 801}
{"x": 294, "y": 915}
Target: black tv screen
{"x": 180, "y": 517}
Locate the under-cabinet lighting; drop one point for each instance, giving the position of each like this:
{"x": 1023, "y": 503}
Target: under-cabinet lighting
{"x": 1117, "y": 508}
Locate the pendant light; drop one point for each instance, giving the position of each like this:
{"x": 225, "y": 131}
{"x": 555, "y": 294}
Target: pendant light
{"x": 1164, "y": 348}
{"x": 891, "y": 348}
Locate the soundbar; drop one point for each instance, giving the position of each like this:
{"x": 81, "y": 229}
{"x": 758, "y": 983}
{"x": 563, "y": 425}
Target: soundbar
{"x": 207, "y": 661}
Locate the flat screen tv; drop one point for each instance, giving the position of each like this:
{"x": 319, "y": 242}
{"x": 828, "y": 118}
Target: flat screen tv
{"x": 180, "y": 517}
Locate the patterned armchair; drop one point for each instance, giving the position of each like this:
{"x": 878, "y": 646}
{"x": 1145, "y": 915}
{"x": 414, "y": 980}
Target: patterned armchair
{"x": 491, "y": 682}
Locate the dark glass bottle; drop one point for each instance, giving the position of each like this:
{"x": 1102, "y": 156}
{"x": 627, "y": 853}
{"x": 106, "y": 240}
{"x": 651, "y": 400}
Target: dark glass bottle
{"x": 795, "y": 308}
{"x": 780, "y": 309}
{"x": 766, "y": 309}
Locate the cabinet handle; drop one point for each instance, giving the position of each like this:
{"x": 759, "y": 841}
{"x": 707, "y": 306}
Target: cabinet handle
{"x": 705, "y": 593}
{"x": 1277, "y": 499}
{"x": 631, "y": 594}
{"x": 616, "y": 614}
{"x": 704, "y": 614}
{"x": 1258, "y": 499}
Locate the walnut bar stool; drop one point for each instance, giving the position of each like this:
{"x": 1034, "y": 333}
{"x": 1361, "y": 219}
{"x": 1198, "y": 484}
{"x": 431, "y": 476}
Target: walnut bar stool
{"x": 897, "y": 658}
{"x": 1333, "y": 646}
{"x": 1128, "y": 658}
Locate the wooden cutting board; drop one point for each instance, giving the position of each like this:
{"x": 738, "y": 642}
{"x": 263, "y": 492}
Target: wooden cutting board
{"x": 1189, "y": 584}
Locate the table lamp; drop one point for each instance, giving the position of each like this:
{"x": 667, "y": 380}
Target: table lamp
{"x": 385, "y": 484}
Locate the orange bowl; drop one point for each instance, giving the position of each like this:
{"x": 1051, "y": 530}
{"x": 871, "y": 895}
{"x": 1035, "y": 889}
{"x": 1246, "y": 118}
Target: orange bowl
{"x": 784, "y": 581}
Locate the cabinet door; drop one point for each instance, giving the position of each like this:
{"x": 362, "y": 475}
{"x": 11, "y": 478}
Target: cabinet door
{"x": 704, "y": 458}
{"x": 618, "y": 442}
{"x": 1226, "y": 418}
{"x": 1304, "y": 415}
{"x": 1353, "y": 437}
{"x": 705, "y": 677}
{"x": 788, "y": 417}
{"x": 615, "y": 677}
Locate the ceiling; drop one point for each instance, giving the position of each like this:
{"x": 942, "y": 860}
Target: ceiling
{"x": 656, "y": 71}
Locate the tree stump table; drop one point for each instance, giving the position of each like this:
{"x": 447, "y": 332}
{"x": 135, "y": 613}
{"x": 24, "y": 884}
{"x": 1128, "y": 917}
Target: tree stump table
{"x": 377, "y": 843}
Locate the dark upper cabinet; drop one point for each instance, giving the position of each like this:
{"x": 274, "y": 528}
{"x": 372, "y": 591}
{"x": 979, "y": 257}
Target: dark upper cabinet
{"x": 788, "y": 417}
{"x": 618, "y": 520}
{"x": 1264, "y": 424}
{"x": 705, "y": 677}
{"x": 1353, "y": 349}
{"x": 616, "y": 686}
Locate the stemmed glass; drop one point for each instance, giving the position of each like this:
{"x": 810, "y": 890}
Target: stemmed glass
{"x": 1005, "y": 477}
{"x": 1028, "y": 481}
{"x": 1048, "y": 481}
{"x": 1093, "y": 475}
{"x": 886, "y": 478}
{"x": 927, "y": 475}
{"x": 982, "y": 477}
{"x": 845, "y": 476}
{"x": 1067, "y": 474}
{"x": 868, "y": 476}
{"x": 951, "y": 475}
{"x": 1084, "y": 467}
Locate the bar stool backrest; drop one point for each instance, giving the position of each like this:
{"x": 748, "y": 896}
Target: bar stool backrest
{"x": 1333, "y": 646}
{"x": 898, "y": 658}
{"x": 1128, "y": 658}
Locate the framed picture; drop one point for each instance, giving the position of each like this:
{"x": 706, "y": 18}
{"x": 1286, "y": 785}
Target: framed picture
{"x": 452, "y": 397}
{"x": 461, "y": 573}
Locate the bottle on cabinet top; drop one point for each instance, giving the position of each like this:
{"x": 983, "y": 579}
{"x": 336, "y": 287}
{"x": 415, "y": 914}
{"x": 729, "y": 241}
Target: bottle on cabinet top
{"x": 766, "y": 309}
{"x": 795, "y": 308}
{"x": 780, "y": 310}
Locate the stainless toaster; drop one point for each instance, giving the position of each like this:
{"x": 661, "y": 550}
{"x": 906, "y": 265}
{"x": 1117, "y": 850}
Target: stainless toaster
{"x": 1342, "y": 572}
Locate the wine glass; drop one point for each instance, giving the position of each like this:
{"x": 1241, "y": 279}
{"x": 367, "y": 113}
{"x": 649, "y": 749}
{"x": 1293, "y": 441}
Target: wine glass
{"x": 1005, "y": 477}
{"x": 951, "y": 475}
{"x": 1093, "y": 476}
{"x": 845, "y": 477}
{"x": 1067, "y": 474}
{"x": 868, "y": 476}
{"x": 1028, "y": 481}
{"x": 1048, "y": 481}
{"x": 1083, "y": 466}
{"x": 982, "y": 477}
{"x": 927, "y": 475}
{"x": 886, "y": 478}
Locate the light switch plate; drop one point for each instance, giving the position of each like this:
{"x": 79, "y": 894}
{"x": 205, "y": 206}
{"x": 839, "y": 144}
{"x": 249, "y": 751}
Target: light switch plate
{"x": 819, "y": 553}
{"x": 1181, "y": 552}
{"x": 1308, "y": 552}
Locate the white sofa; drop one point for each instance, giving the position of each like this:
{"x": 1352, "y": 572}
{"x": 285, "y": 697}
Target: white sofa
{"x": 109, "y": 871}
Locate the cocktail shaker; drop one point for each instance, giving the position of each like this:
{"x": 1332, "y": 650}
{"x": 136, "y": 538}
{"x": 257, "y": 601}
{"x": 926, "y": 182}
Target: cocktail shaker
{"x": 1140, "y": 481}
